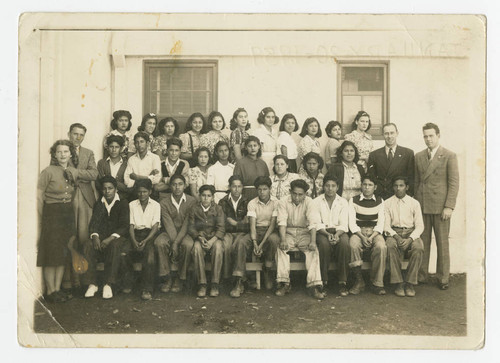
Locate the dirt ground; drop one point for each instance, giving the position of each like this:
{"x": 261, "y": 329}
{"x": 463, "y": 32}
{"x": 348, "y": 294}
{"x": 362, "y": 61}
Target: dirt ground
{"x": 431, "y": 312}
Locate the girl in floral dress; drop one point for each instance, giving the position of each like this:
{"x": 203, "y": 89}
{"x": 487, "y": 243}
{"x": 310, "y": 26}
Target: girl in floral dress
{"x": 198, "y": 174}
{"x": 216, "y": 124}
{"x": 148, "y": 125}
{"x": 311, "y": 132}
{"x": 239, "y": 125}
{"x": 280, "y": 189}
{"x": 195, "y": 127}
{"x": 167, "y": 129}
{"x": 361, "y": 138}
{"x": 311, "y": 173}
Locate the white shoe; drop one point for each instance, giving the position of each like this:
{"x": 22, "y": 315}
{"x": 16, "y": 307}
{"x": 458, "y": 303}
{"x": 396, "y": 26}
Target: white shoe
{"x": 91, "y": 290}
{"x": 107, "y": 293}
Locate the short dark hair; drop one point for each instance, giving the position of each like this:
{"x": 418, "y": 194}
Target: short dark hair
{"x": 163, "y": 122}
{"x": 254, "y": 139}
{"x": 401, "y": 177}
{"x": 306, "y": 124}
{"x": 189, "y": 122}
{"x": 282, "y": 157}
{"x": 299, "y": 183}
{"x": 330, "y": 177}
{"x": 216, "y": 148}
{"x": 143, "y": 183}
{"x": 262, "y": 115}
{"x": 343, "y": 146}
{"x": 330, "y": 126}
{"x": 77, "y": 125}
{"x": 287, "y": 117}
{"x": 211, "y": 117}
{"x": 116, "y": 115}
{"x": 262, "y": 180}
{"x": 146, "y": 117}
{"x": 108, "y": 179}
{"x": 233, "y": 178}
{"x": 141, "y": 134}
{"x": 115, "y": 138}
{"x": 174, "y": 141}
{"x": 358, "y": 116}
{"x": 233, "y": 124}
{"x": 312, "y": 155}
{"x": 429, "y": 126}
{"x": 198, "y": 151}
{"x": 204, "y": 187}
{"x": 389, "y": 124}
{"x": 368, "y": 176}
{"x": 175, "y": 177}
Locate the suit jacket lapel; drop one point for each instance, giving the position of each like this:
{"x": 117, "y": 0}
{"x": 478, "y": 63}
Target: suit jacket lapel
{"x": 384, "y": 162}
{"x": 433, "y": 164}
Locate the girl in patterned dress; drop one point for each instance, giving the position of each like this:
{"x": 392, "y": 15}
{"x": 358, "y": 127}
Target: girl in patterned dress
{"x": 311, "y": 173}
{"x": 361, "y": 138}
{"x": 120, "y": 126}
{"x": 311, "y": 132}
{"x": 239, "y": 125}
{"x": 286, "y": 144}
{"x": 148, "y": 125}
{"x": 198, "y": 175}
{"x": 280, "y": 189}
{"x": 195, "y": 127}
{"x": 216, "y": 124}
{"x": 167, "y": 128}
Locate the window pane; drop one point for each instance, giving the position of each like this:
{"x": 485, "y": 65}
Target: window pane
{"x": 181, "y": 79}
{"x": 373, "y": 105}
{"x": 363, "y": 79}
{"x": 202, "y": 79}
{"x": 350, "y": 107}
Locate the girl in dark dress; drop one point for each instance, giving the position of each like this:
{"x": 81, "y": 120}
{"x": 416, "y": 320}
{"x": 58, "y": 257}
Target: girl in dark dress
{"x": 55, "y": 210}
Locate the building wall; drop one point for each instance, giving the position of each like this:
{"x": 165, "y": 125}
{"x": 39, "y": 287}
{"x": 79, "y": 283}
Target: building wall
{"x": 87, "y": 75}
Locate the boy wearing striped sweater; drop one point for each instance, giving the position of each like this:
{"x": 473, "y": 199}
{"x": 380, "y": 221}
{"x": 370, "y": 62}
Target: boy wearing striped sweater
{"x": 366, "y": 222}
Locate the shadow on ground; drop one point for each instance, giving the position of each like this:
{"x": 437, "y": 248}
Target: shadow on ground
{"x": 431, "y": 312}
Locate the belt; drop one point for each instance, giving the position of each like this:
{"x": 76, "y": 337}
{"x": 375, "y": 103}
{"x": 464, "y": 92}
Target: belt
{"x": 401, "y": 227}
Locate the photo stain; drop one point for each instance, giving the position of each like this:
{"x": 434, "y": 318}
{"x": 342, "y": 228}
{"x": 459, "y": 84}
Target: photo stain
{"x": 176, "y": 48}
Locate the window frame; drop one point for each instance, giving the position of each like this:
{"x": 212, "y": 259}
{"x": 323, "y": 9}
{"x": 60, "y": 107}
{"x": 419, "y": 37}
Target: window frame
{"x": 346, "y": 127}
{"x": 181, "y": 63}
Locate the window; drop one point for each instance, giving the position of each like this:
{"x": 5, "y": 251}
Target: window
{"x": 363, "y": 86}
{"x": 180, "y": 88}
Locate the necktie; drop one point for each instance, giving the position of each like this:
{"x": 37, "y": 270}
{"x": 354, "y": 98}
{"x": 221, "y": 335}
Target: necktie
{"x": 390, "y": 156}
{"x": 314, "y": 191}
{"x": 429, "y": 154}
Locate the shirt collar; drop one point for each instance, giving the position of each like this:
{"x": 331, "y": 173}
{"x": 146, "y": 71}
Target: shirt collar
{"x": 405, "y": 199}
{"x": 108, "y": 159}
{"x": 259, "y": 202}
{"x": 116, "y": 198}
{"x": 347, "y": 166}
{"x": 183, "y": 199}
{"x": 361, "y": 197}
{"x": 232, "y": 200}
{"x": 387, "y": 148}
{"x": 167, "y": 162}
{"x": 205, "y": 209}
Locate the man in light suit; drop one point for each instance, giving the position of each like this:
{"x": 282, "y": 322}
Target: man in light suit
{"x": 82, "y": 175}
{"x": 391, "y": 161}
{"x": 436, "y": 189}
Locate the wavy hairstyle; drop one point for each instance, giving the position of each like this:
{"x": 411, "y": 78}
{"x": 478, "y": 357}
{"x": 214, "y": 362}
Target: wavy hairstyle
{"x": 330, "y": 126}
{"x": 248, "y": 140}
{"x": 343, "y": 146}
{"x": 262, "y": 115}
{"x": 312, "y": 155}
{"x": 233, "y": 124}
{"x": 146, "y": 117}
{"x": 358, "y": 116}
{"x": 116, "y": 115}
{"x": 189, "y": 122}
{"x": 161, "y": 126}
{"x": 72, "y": 149}
{"x": 306, "y": 124}
{"x": 211, "y": 117}
{"x": 287, "y": 117}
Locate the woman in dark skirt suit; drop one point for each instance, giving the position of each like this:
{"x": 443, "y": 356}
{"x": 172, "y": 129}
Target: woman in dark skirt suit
{"x": 55, "y": 195}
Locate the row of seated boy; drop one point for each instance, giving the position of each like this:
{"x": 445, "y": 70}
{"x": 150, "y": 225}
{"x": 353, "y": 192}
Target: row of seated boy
{"x": 181, "y": 230}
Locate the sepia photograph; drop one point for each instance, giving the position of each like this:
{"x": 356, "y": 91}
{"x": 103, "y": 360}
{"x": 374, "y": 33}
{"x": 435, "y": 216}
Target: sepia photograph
{"x": 251, "y": 180}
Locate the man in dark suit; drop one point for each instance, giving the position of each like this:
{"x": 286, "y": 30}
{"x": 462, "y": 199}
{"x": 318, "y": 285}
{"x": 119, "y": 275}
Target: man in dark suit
{"x": 436, "y": 189}
{"x": 391, "y": 161}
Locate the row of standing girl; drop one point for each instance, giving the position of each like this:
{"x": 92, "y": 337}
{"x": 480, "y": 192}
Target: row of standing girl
{"x": 273, "y": 141}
